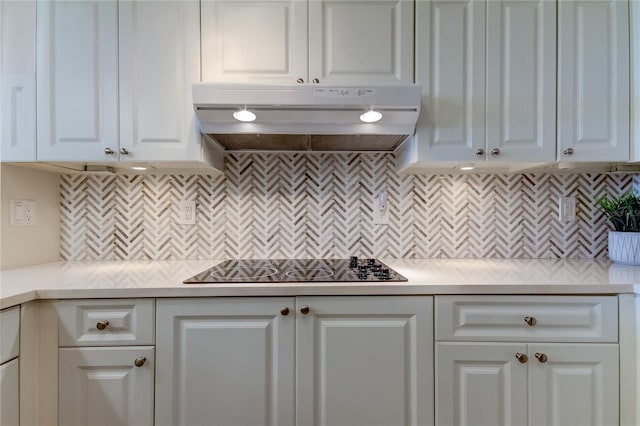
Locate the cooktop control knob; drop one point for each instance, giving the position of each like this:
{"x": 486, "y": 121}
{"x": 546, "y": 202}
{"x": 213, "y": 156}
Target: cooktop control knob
{"x": 385, "y": 274}
{"x": 353, "y": 263}
{"x": 371, "y": 262}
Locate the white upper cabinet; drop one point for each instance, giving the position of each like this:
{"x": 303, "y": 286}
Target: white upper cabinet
{"x": 114, "y": 80}
{"x": 77, "y": 88}
{"x": 18, "y": 80}
{"x": 359, "y": 42}
{"x": 593, "y": 80}
{"x": 159, "y": 61}
{"x": 254, "y": 41}
{"x": 634, "y": 14}
{"x": 450, "y": 66}
{"x": 487, "y": 71}
{"x": 521, "y": 80}
{"x": 320, "y": 41}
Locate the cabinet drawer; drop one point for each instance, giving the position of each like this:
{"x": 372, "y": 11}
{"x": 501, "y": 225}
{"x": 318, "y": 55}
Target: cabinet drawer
{"x": 9, "y": 334}
{"x": 106, "y": 322}
{"x": 527, "y": 318}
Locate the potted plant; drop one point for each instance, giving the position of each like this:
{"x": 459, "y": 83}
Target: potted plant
{"x": 624, "y": 213}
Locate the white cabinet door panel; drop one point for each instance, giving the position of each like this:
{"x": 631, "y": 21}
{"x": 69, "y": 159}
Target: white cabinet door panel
{"x": 450, "y": 66}
{"x": 9, "y": 393}
{"x": 521, "y": 80}
{"x": 254, "y": 41}
{"x": 227, "y": 361}
{"x": 365, "y": 42}
{"x": 77, "y": 80}
{"x": 103, "y": 386}
{"x": 593, "y": 80}
{"x": 17, "y": 80}
{"x": 480, "y": 384}
{"x": 364, "y": 361}
{"x": 576, "y": 385}
{"x": 159, "y": 61}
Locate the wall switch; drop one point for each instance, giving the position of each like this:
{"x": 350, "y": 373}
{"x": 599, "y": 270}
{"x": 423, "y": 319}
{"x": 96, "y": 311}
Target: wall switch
{"x": 567, "y": 209}
{"x": 381, "y": 209}
{"x": 187, "y": 214}
{"x": 22, "y": 213}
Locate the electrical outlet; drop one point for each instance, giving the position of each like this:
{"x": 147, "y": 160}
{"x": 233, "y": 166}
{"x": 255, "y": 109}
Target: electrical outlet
{"x": 567, "y": 209}
{"x": 22, "y": 213}
{"x": 187, "y": 214}
{"x": 381, "y": 209}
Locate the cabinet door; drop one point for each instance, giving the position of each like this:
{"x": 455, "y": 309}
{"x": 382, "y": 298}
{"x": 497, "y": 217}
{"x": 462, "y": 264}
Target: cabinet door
{"x": 577, "y": 384}
{"x": 480, "y": 384}
{"x": 159, "y": 61}
{"x": 593, "y": 80}
{"x": 9, "y": 393}
{"x": 18, "y": 80}
{"x": 103, "y": 386}
{"x": 226, "y": 361}
{"x": 254, "y": 41}
{"x": 364, "y": 361}
{"x": 77, "y": 80}
{"x": 521, "y": 80}
{"x": 361, "y": 42}
{"x": 450, "y": 66}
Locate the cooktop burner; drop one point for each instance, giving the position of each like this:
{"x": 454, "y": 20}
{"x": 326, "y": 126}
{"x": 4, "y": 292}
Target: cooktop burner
{"x": 297, "y": 270}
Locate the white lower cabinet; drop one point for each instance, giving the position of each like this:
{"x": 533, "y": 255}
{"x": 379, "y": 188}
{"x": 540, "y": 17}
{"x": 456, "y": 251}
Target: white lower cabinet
{"x": 306, "y": 360}
{"x": 513, "y": 382}
{"x": 9, "y": 393}
{"x": 106, "y": 362}
{"x": 10, "y": 367}
{"x": 106, "y": 386}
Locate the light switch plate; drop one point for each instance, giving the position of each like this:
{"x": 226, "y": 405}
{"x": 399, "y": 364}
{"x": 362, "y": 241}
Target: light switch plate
{"x": 22, "y": 213}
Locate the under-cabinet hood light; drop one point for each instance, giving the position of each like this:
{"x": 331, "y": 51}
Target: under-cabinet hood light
{"x": 371, "y": 116}
{"x": 244, "y": 115}
{"x": 468, "y": 166}
{"x": 304, "y": 117}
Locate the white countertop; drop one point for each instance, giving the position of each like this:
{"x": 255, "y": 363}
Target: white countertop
{"x": 120, "y": 279}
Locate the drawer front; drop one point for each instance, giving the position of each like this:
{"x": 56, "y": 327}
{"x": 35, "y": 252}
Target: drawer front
{"x": 9, "y": 334}
{"x": 106, "y": 322}
{"x": 527, "y": 318}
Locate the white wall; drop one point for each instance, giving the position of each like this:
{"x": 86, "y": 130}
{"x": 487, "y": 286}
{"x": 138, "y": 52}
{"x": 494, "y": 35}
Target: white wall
{"x": 24, "y": 246}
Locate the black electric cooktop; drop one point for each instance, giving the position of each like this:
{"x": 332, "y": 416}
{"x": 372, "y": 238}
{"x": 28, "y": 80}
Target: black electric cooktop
{"x": 297, "y": 270}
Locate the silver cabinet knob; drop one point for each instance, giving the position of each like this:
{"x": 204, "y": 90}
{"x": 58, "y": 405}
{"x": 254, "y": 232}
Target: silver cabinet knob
{"x": 541, "y": 357}
{"x": 139, "y": 362}
{"x": 284, "y": 311}
{"x": 108, "y": 151}
{"x": 479, "y": 152}
{"x": 568, "y": 151}
{"x": 124, "y": 151}
{"x": 304, "y": 310}
{"x": 300, "y": 80}
{"x": 101, "y": 325}
{"x": 531, "y": 321}
{"x": 495, "y": 152}
{"x": 522, "y": 358}
{"x": 315, "y": 80}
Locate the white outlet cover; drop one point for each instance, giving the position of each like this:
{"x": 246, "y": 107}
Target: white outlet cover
{"x": 187, "y": 215}
{"x": 567, "y": 209}
{"x": 22, "y": 213}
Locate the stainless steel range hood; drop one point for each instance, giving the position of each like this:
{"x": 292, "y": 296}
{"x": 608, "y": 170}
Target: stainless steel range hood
{"x": 306, "y": 117}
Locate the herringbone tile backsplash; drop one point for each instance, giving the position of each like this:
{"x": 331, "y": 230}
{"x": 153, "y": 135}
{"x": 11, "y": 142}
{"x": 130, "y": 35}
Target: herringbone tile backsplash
{"x": 321, "y": 205}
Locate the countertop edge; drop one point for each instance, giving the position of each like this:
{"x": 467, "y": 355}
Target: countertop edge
{"x": 257, "y": 290}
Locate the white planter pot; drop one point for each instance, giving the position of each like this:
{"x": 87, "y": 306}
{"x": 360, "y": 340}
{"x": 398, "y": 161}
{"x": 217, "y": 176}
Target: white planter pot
{"x": 624, "y": 247}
